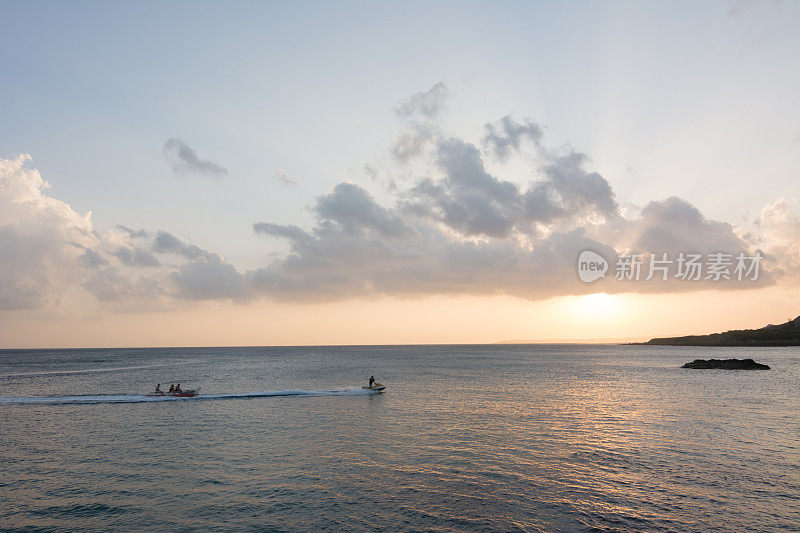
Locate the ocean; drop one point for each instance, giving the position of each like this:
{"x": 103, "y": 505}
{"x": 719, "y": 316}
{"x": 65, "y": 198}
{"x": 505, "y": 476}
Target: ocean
{"x": 465, "y": 438}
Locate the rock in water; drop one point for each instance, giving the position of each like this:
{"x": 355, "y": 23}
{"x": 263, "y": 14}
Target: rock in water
{"x": 726, "y": 364}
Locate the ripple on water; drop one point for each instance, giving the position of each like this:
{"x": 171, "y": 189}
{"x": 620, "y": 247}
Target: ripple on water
{"x": 466, "y": 439}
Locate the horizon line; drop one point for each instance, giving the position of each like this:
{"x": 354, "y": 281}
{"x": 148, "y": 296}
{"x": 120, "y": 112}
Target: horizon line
{"x": 505, "y": 342}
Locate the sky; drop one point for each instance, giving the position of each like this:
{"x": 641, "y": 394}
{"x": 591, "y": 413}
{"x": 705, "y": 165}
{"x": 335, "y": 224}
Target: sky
{"x": 254, "y": 173}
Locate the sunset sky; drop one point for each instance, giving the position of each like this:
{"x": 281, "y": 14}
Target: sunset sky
{"x": 249, "y": 173}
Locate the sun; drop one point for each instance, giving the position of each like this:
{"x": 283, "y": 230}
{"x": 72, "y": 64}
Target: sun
{"x": 599, "y": 305}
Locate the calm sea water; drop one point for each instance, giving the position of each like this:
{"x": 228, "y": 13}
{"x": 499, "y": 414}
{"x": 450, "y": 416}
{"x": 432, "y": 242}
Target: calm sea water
{"x": 466, "y": 438}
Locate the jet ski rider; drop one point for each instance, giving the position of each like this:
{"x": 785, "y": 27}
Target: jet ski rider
{"x": 371, "y": 381}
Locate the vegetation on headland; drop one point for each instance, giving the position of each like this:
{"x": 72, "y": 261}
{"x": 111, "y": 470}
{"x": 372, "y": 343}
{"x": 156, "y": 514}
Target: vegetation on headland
{"x": 786, "y": 334}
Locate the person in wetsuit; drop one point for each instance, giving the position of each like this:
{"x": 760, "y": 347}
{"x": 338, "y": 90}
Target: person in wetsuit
{"x": 371, "y": 381}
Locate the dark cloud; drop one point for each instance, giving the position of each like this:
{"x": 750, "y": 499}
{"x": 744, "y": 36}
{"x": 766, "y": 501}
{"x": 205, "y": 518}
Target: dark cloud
{"x": 276, "y": 230}
{"x": 471, "y": 201}
{"x": 348, "y": 253}
{"x": 136, "y": 257}
{"x": 109, "y": 285}
{"x": 209, "y": 278}
{"x": 26, "y": 280}
{"x": 328, "y": 265}
{"x": 132, "y": 233}
{"x": 183, "y": 160}
{"x": 332, "y": 262}
{"x": 167, "y": 243}
{"x": 426, "y": 104}
{"x": 674, "y": 225}
{"x": 572, "y": 190}
{"x": 92, "y": 259}
{"x": 506, "y": 135}
{"x": 351, "y": 209}
{"x": 464, "y": 168}
{"x": 468, "y": 198}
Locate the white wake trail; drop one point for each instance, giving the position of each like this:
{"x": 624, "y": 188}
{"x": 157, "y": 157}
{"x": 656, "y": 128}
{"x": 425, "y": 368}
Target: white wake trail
{"x": 141, "y": 398}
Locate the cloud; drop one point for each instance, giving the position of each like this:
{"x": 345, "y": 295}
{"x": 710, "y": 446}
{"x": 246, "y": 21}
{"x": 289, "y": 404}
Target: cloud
{"x": 453, "y": 226}
{"x": 92, "y": 259}
{"x": 574, "y": 192}
{"x": 132, "y": 233}
{"x": 780, "y": 221}
{"x": 167, "y": 243}
{"x": 426, "y": 104}
{"x": 125, "y": 292}
{"x": 359, "y": 247}
{"x": 50, "y": 252}
{"x": 472, "y": 201}
{"x": 291, "y": 232}
{"x": 184, "y": 160}
{"x": 41, "y": 239}
{"x": 674, "y": 225}
{"x": 506, "y": 135}
{"x": 334, "y": 262}
{"x": 330, "y": 263}
{"x": 210, "y": 277}
{"x": 350, "y": 209}
{"x": 412, "y": 142}
{"x": 468, "y": 199}
{"x": 136, "y": 257}
{"x": 463, "y": 230}
{"x": 778, "y": 231}
{"x": 286, "y": 179}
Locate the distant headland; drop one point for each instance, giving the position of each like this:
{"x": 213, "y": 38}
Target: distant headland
{"x": 786, "y": 334}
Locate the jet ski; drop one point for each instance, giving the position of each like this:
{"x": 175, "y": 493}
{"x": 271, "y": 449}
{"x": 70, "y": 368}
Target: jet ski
{"x": 377, "y": 387}
{"x": 180, "y": 394}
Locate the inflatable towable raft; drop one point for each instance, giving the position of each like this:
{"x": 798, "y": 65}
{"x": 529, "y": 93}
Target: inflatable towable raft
{"x": 181, "y": 394}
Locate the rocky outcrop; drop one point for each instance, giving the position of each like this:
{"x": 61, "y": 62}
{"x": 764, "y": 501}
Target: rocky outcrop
{"x": 726, "y": 364}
